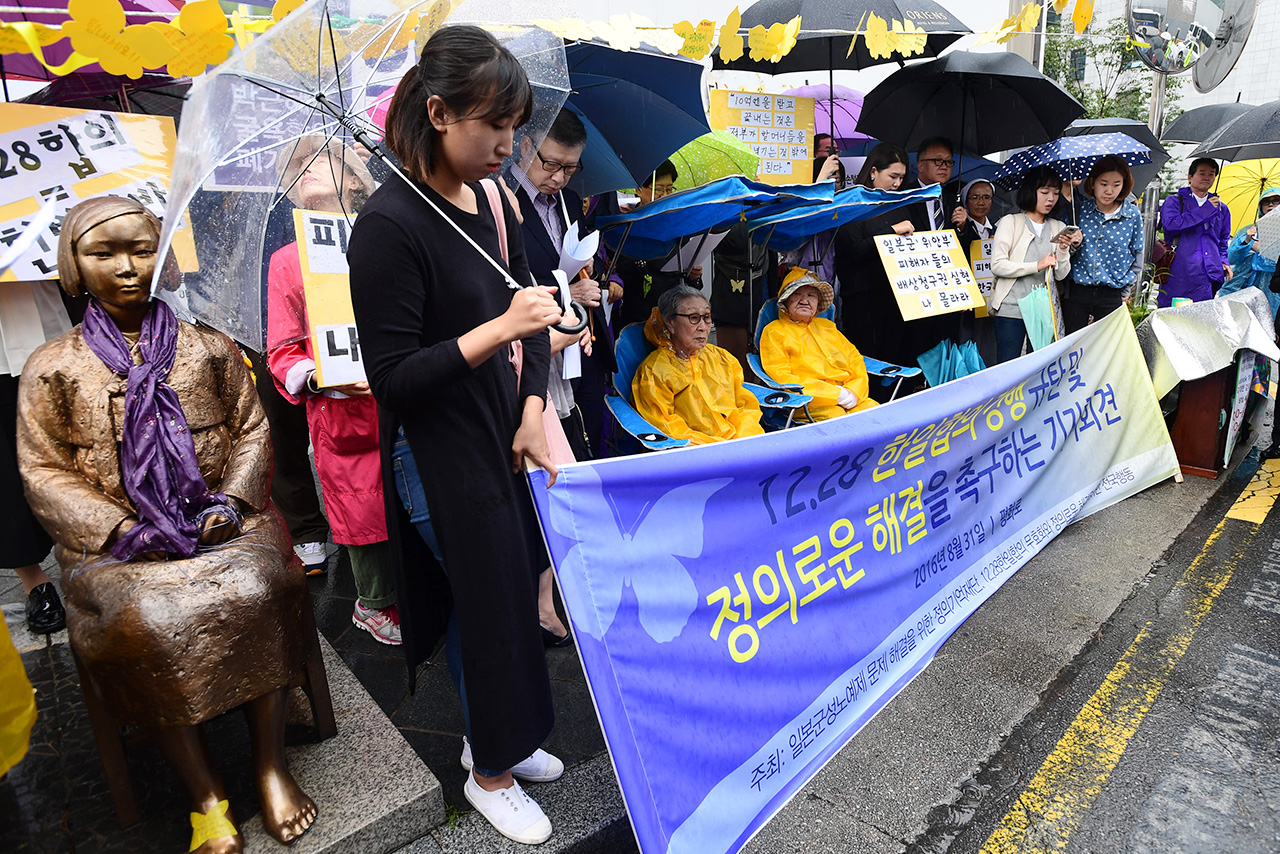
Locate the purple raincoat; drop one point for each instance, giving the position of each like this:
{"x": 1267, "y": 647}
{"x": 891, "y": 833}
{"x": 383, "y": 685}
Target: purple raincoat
{"x": 1201, "y": 233}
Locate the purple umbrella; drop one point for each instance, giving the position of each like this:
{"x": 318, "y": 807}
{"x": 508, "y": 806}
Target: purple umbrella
{"x": 55, "y": 12}
{"x": 835, "y": 111}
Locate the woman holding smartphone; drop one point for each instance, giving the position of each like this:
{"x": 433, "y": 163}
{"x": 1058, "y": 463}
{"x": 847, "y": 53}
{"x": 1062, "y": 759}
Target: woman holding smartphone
{"x": 1025, "y": 245}
{"x": 1109, "y": 263}
{"x": 437, "y": 322}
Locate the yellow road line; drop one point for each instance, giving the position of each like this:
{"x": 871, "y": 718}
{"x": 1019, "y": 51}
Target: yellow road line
{"x": 1071, "y": 778}
{"x": 1259, "y": 496}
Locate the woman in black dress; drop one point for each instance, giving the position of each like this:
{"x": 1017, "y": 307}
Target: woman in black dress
{"x": 437, "y": 323}
{"x": 871, "y": 318}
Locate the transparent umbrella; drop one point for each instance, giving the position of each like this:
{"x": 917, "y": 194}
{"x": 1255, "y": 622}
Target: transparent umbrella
{"x": 323, "y": 70}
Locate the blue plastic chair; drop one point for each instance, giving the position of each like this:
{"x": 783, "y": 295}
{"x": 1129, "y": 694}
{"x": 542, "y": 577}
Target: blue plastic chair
{"x": 887, "y": 372}
{"x": 630, "y": 350}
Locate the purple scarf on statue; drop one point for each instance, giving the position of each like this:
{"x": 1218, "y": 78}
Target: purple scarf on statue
{"x": 158, "y": 457}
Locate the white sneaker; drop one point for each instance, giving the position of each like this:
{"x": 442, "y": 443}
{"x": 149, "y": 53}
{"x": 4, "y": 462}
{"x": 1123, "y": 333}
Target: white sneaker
{"x": 313, "y": 556}
{"x": 511, "y": 812}
{"x": 383, "y": 623}
{"x": 541, "y": 767}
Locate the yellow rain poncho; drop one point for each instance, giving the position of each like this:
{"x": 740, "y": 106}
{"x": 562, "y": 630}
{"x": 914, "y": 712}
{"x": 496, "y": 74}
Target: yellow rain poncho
{"x": 17, "y": 704}
{"x": 820, "y": 359}
{"x": 701, "y": 400}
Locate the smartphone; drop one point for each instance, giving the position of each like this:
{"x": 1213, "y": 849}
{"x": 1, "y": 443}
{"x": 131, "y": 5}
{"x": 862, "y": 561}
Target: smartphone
{"x": 1070, "y": 230}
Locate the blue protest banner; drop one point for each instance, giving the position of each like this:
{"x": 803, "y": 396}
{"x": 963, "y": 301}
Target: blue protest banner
{"x": 743, "y": 609}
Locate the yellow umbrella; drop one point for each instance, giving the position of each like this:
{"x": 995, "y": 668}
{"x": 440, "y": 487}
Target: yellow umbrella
{"x": 1241, "y": 184}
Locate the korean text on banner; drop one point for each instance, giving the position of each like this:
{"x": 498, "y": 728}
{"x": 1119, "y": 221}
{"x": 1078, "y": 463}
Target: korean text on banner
{"x": 326, "y": 287}
{"x": 778, "y": 128}
{"x": 980, "y": 263}
{"x": 66, "y": 156}
{"x": 928, "y": 272}
{"x": 781, "y": 589}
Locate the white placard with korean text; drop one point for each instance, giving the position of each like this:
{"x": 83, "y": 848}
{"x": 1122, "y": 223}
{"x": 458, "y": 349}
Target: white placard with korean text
{"x": 928, "y": 272}
{"x": 777, "y": 128}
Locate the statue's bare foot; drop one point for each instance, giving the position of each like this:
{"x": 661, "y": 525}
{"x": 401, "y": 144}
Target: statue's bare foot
{"x": 287, "y": 811}
{"x": 222, "y": 845}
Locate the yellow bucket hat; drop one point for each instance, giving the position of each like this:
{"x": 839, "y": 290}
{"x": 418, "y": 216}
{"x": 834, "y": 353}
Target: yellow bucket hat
{"x": 797, "y": 279}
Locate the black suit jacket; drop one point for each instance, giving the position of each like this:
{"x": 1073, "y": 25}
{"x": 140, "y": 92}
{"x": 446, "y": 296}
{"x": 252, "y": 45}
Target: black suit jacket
{"x": 544, "y": 258}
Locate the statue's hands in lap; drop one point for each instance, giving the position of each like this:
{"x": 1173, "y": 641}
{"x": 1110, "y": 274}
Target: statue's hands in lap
{"x": 217, "y": 528}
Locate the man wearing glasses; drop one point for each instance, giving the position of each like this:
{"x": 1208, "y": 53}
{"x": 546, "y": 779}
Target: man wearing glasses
{"x": 934, "y": 162}
{"x": 548, "y": 209}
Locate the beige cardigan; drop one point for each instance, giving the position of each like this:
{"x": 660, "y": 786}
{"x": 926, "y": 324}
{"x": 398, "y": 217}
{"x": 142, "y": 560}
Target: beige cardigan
{"x": 1010, "y": 241}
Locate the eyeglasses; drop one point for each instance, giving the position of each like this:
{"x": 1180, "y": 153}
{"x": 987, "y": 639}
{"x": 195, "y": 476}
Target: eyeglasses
{"x": 697, "y": 319}
{"x": 661, "y": 190}
{"x": 975, "y": 197}
{"x": 553, "y": 167}
{"x": 939, "y": 161}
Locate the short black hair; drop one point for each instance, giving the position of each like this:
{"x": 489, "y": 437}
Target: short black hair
{"x": 819, "y": 137}
{"x": 568, "y": 130}
{"x": 1203, "y": 161}
{"x": 931, "y": 142}
{"x": 667, "y": 168}
{"x": 1032, "y": 180}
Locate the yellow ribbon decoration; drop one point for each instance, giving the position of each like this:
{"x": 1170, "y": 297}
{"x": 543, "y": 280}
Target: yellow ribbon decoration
{"x": 212, "y": 825}
{"x": 32, "y": 37}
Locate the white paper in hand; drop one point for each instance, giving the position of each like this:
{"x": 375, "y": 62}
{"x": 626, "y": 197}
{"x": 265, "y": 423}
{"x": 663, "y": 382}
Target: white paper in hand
{"x": 685, "y": 257}
{"x": 572, "y": 353}
{"x": 1269, "y": 235}
{"x": 575, "y": 252}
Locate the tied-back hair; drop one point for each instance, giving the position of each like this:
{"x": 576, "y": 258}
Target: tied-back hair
{"x": 90, "y": 214}
{"x": 1032, "y": 180}
{"x": 881, "y": 158}
{"x": 669, "y": 300}
{"x": 1110, "y": 163}
{"x": 475, "y": 76}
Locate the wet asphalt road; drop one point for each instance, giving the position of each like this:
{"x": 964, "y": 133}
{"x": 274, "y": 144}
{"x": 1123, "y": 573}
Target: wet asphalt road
{"x": 1164, "y": 734}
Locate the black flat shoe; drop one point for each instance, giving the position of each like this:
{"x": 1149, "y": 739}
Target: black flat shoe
{"x": 551, "y": 640}
{"x": 45, "y": 614}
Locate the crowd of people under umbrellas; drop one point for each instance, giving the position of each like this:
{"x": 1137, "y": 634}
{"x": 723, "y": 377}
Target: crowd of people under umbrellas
{"x": 465, "y": 378}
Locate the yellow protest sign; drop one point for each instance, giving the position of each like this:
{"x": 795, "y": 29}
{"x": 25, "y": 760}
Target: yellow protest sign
{"x": 778, "y": 128}
{"x": 59, "y": 155}
{"x": 980, "y": 263}
{"x": 326, "y": 288}
{"x": 928, "y": 273}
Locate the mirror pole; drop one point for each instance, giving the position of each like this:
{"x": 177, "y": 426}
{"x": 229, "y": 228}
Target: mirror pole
{"x": 1151, "y": 198}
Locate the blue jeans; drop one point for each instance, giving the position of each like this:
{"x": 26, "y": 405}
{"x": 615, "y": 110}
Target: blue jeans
{"x": 414, "y": 501}
{"x": 1011, "y": 332}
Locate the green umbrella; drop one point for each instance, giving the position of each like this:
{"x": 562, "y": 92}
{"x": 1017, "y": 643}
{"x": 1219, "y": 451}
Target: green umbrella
{"x": 711, "y": 156}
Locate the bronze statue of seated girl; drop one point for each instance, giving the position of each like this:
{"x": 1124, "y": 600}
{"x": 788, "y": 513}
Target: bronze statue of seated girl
{"x": 146, "y": 456}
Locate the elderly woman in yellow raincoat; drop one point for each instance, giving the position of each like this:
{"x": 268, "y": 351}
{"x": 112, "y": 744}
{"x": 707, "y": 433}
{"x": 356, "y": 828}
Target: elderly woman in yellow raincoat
{"x": 800, "y": 347}
{"x": 686, "y": 387}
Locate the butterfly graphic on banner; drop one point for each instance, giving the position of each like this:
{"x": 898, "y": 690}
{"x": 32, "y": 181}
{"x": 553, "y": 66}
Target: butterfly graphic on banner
{"x": 663, "y": 588}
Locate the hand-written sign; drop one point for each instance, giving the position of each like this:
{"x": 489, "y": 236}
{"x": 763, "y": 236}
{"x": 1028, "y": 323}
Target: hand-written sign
{"x": 777, "y": 128}
{"x": 928, "y": 273}
{"x": 326, "y": 287}
{"x": 64, "y": 156}
{"x": 980, "y": 263}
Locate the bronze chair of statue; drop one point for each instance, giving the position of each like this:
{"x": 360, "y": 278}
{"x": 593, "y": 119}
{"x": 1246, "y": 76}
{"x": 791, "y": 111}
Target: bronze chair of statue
{"x": 146, "y": 455}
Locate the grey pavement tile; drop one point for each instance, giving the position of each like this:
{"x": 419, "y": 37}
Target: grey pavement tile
{"x": 434, "y": 705}
{"x": 387, "y": 682}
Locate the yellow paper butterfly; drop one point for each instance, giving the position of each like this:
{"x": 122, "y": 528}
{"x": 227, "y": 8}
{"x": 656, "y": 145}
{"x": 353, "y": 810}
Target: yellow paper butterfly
{"x": 697, "y": 40}
{"x": 730, "y": 41}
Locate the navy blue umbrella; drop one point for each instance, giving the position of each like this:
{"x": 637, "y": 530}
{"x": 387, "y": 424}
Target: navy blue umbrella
{"x": 637, "y": 106}
{"x": 1072, "y": 156}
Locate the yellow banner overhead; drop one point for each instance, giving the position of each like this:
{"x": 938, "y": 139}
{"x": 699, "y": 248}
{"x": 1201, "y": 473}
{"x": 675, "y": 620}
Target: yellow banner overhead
{"x": 777, "y": 128}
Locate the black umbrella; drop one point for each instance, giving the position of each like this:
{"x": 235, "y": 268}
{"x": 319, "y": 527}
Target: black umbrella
{"x": 1144, "y": 173}
{"x": 827, "y": 27}
{"x": 1254, "y": 135}
{"x": 982, "y": 102}
{"x": 1203, "y": 122}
